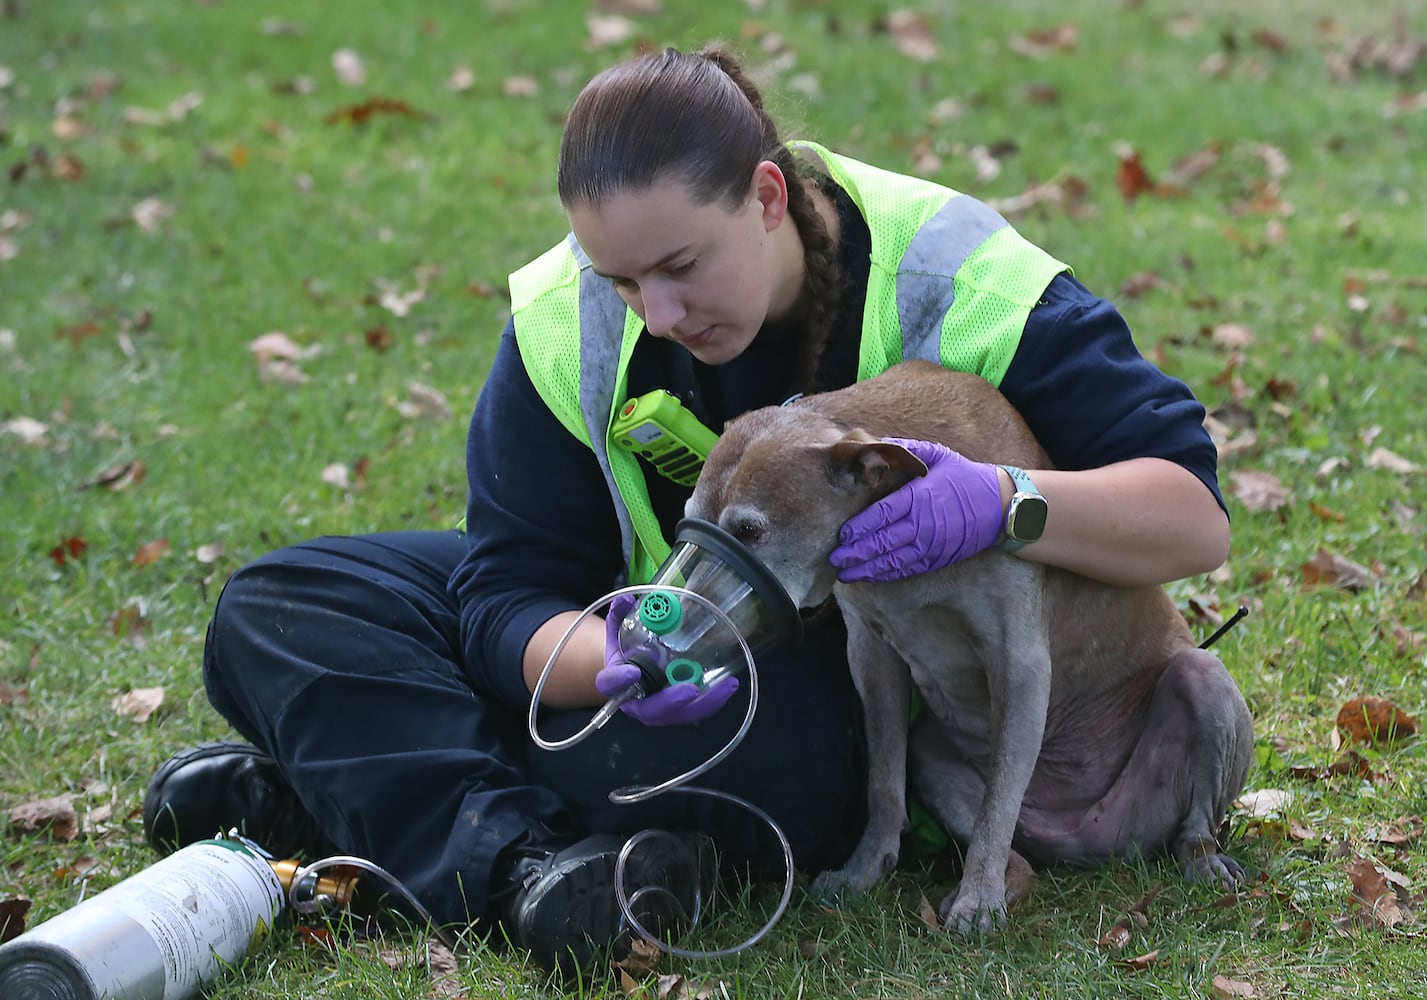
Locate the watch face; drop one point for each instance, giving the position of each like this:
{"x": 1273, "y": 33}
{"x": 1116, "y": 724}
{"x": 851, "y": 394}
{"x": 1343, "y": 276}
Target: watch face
{"x": 1025, "y": 521}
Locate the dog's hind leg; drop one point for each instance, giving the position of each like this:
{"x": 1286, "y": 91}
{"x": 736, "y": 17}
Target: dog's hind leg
{"x": 884, "y": 684}
{"x": 1188, "y": 762}
{"x": 1220, "y": 741}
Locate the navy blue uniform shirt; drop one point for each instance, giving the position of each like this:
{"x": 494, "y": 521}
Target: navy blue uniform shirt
{"x": 540, "y": 521}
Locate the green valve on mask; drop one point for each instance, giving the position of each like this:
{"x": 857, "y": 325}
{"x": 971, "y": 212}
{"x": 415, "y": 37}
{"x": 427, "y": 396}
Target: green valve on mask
{"x": 660, "y": 612}
{"x": 682, "y": 671}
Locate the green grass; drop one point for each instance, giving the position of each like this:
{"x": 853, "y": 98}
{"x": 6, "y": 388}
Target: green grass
{"x": 132, "y": 346}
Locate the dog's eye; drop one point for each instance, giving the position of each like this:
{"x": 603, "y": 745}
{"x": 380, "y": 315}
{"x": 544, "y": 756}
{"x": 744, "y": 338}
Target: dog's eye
{"x": 749, "y": 532}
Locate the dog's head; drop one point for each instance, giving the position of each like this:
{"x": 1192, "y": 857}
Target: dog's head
{"x": 782, "y": 480}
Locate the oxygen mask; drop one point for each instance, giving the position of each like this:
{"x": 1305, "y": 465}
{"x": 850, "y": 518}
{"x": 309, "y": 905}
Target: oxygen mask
{"x": 710, "y": 607}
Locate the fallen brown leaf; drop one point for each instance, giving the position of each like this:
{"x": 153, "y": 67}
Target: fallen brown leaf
{"x": 348, "y": 66}
{"x": 29, "y": 430}
{"x": 912, "y": 34}
{"x": 1131, "y": 177}
{"x": 70, "y": 548}
{"x": 1350, "y": 763}
{"x": 927, "y": 912}
{"x": 1258, "y": 491}
{"x": 642, "y": 960}
{"x": 364, "y": 111}
{"x": 1382, "y": 458}
{"x": 117, "y": 477}
{"x": 1374, "y": 898}
{"x": 12, "y": 917}
{"x": 276, "y": 344}
{"x": 55, "y": 815}
{"x": 1118, "y": 936}
{"x": 150, "y": 553}
{"x": 1139, "y": 962}
{"x": 606, "y": 30}
{"x": 1375, "y": 720}
{"x": 139, "y": 704}
{"x": 1330, "y": 569}
{"x": 1226, "y": 988}
{"x": 130, "y": 622}
{"x": 1398, "y": 832}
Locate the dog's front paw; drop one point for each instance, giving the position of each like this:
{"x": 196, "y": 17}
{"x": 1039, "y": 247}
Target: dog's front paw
{"x": 969, "y": 914}
{"x": 868, "y": 864}
{"x": 833, "y": 887}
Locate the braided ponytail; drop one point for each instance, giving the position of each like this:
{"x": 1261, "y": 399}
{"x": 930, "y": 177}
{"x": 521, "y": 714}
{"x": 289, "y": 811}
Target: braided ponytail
{"x": 820, "y": 265}
{"x": 696, "y": 118}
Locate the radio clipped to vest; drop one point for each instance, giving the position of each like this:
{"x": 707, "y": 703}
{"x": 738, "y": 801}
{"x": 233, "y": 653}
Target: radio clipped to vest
{"x": 659, "y": 429}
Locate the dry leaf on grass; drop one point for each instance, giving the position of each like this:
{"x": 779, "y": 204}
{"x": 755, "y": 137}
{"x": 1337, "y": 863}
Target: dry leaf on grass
{"x": 1375, "y": 720}
{"x": 606, "y": 30}
{"x": 1227, "y": 989}
{"x": 1140, "y": 962}
{"x": 1263, "y": 801}
{"x": 12, "y": 917}
{"x": 1258, "y": 491}
{"x": 117, "y": 477}
{"x": 1381, "y": 458}
{"x": 29, "y": 430}
{"x": 55, "y": 815}
{"x": 424, "y": 403}
{"x": 927, "y": 912}
{"x": 642, "y": 960}
{"x": 912, "y": 34}
{"x": 1373, "y": 896}
{"x": 1398, "y": 832}
{"x": 140, "y": 704}
{"x": 348, "y": 66}
{"x": 1332, "y": 570}
{"x": 150, "y": 553}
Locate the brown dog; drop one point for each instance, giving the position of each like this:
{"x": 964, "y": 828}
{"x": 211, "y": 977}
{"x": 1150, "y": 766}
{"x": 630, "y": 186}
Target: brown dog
{"x": 1073, "y": 718}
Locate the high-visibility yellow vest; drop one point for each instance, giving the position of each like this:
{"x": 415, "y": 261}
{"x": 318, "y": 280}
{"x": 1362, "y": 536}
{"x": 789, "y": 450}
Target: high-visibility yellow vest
{"x": 949, "y": 280}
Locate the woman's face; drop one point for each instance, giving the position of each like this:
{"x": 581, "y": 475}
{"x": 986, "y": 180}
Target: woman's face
{"x": 706, "y": 276}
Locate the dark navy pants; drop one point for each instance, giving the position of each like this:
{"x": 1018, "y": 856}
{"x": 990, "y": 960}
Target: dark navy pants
{"x": 341, "y": 657}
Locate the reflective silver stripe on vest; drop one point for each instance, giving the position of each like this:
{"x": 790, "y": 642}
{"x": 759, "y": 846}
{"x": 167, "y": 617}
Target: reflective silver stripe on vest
{"x": 602, "y": 317}
{"x": 925, "y": 291}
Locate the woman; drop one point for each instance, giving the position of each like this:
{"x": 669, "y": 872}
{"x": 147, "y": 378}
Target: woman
{"x": 383, "y": 681}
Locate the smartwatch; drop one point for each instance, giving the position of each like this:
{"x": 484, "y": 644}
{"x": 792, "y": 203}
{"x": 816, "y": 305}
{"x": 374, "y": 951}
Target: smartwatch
{"x": 1025, "y": 515}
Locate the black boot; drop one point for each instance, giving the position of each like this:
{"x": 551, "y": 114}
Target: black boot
{"x": 209, "y": 789}
{"x": 562, "y": 906}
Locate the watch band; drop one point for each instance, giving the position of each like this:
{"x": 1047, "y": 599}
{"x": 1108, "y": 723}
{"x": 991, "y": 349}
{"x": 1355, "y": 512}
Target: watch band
{"x": 1022, "y": 486}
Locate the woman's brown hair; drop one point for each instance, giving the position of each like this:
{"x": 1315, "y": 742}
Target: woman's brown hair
{"x": 695, "y": 118}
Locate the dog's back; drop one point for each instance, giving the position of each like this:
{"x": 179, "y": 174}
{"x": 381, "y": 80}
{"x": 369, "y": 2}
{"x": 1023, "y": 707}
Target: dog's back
{"x": 919, "y": 399}
{"x": 771, "y": 464}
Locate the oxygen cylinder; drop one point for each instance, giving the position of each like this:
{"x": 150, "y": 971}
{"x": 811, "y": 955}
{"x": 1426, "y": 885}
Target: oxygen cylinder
{"x": 160, "y": 934}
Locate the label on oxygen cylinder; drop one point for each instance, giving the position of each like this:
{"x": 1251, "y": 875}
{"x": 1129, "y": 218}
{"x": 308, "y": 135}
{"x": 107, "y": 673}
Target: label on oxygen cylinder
{"x": 158, "y": 935}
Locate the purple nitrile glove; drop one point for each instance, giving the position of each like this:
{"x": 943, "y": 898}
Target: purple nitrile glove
{"x": 675, "y": 705}
{"x": 951, "y": 513}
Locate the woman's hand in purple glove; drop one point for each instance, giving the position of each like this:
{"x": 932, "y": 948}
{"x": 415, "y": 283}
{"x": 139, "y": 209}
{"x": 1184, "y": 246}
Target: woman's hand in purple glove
{"x": 951, "y": 513}
{"x": 675, "y": 705}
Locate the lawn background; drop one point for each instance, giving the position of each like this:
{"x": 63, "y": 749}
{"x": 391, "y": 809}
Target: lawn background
{"x": 185, "y": 176}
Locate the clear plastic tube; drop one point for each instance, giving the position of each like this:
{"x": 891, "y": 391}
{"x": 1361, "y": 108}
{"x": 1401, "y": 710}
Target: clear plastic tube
{"x": 631, "y": 794}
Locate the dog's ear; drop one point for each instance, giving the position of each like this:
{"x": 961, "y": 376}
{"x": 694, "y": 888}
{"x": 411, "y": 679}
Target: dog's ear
{"x": 860, "y": 459}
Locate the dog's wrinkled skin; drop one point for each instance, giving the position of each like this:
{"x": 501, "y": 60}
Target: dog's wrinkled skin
{"x": 1073, "y": 718}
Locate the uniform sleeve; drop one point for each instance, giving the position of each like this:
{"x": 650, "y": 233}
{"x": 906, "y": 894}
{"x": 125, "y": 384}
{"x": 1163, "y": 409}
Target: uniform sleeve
{"x": 1092, "y": 398}
{"x": 540, "y": 524}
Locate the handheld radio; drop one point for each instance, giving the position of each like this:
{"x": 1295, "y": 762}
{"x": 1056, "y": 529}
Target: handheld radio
{"x": 659, "y": 429}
